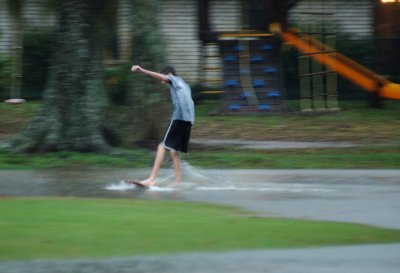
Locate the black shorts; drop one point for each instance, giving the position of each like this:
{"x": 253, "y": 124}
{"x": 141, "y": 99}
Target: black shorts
{"x": 177, "y": 136}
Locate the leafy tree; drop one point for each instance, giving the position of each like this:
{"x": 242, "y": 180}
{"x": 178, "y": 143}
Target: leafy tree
{"x": 147, "y": 97}
{"x": 71, "y": 115}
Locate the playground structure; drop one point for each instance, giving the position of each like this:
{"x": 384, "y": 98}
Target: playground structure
{"x": 252, "y": 71}
{"x": 347, "y": 68}
{"x": 317, "y": 84}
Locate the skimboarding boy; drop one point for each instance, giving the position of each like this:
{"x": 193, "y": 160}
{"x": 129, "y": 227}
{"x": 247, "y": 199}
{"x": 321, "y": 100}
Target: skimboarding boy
{"x": 176, "y": 138}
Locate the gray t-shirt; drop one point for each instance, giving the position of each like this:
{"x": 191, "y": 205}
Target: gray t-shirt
{"x": 181, "y": 96}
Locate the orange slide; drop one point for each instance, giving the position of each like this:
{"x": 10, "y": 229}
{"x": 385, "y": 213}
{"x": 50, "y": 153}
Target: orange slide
{"x": 344, "y": 66}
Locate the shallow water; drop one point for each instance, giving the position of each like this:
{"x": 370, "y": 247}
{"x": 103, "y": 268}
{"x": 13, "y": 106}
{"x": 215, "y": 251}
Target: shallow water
{"x": 349, "y": 259}
{"x": 360, "y": 196}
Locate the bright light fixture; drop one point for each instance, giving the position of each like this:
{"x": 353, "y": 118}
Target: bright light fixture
{"x": 390, "y": 1}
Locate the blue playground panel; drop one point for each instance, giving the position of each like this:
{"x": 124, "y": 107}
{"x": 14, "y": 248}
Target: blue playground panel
{"x": 231, "y": 83}
{"x": 264, "y": 106}
{"x": 239, "y": 48}
{"x": 266, "y": 47}
{"x": 256, "y": 59}
{"x": 258, "y": 83}
{"x": 274, "y": 94}
{"x": 258, "y": 76}
{"x": 245, "y": 94}
{"x": 230, "y": 58}
{"x": 271, "y": 70}
{"x": 234, "y": 107}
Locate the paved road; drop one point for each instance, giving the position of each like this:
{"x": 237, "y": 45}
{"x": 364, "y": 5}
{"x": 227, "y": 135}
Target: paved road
{"x": 362, "y": 196}
{"x": 352, "y": 259}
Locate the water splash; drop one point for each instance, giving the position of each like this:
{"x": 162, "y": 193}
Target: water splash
{"x": 196, "y": 175}
{"x": 120, "y": 186}
{"x": 161, "y": 189}
{"x": 124, "y": 186}
{"x": 192, "y": 177}
{"x": 266, "y": 187}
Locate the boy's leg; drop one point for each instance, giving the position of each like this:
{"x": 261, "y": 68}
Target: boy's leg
{"x": 177, "y": 166}
{"x": 151, "y": 181}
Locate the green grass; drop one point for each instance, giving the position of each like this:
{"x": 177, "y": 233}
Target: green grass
{"x": 354, "y": 123}
{"x": 328, "y": 158}
{"x": 14, "y": 117}
{"x": 135, "y": 158}
{"x": 376, "y": 132}
{"x": 46, "y": 228}
{"x": 217, "y": 157}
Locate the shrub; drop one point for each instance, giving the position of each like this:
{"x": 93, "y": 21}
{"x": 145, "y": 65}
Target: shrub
{"x": 38, "y": 47}
{"x": 116, "y": 78}
{"x": 5, "y": 76}
{"x": 360, "y": 50}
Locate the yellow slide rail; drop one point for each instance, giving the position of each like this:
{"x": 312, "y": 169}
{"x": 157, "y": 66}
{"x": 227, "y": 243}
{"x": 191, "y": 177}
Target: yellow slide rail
{"x": 344, "y": 66}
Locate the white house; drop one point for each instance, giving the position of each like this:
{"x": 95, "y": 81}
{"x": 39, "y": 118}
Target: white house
{"x": 179, "y": 23}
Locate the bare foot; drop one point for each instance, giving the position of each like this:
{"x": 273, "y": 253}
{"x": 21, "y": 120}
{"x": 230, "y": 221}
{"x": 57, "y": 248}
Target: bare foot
{"x": 132, "y": 181}
{"x": 148, "y": 182}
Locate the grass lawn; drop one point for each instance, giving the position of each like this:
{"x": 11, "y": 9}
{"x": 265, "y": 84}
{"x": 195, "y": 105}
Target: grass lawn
{"x": 327, "y": 158}
{"x": 216, "y": 157}
{"x": 375, "y": 132}
{"x": 356, "y": 123}
{"x": 126, "y": 158}
{"x": 46, "y": 228}
{"x": 15, "y": 117}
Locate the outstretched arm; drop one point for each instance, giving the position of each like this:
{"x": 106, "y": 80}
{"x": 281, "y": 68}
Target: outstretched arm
{"x": 155, "y": 75}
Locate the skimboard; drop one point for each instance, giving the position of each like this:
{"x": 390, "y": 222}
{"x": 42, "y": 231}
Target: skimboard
{"x": 137, "y": 184}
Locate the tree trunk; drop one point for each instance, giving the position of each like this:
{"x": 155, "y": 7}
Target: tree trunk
{"x": 71, "y": 115}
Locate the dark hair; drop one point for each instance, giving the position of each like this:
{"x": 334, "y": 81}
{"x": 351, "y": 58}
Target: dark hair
{"x": 169, "y": 69}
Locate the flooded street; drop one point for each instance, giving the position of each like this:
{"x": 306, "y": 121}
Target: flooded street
{"x": 359, "y": 196}
{"x": 349, "y": 259}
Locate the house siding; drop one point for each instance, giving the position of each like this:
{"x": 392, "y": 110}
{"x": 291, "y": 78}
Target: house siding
{"x": 6, "y": 26}
{"x": 225, "y": 15}
{"x": 124, "y": 30}
{"x": 179, "y": 27}
{"x": 34, "y": 14}
{"x": 355, "y": 17}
